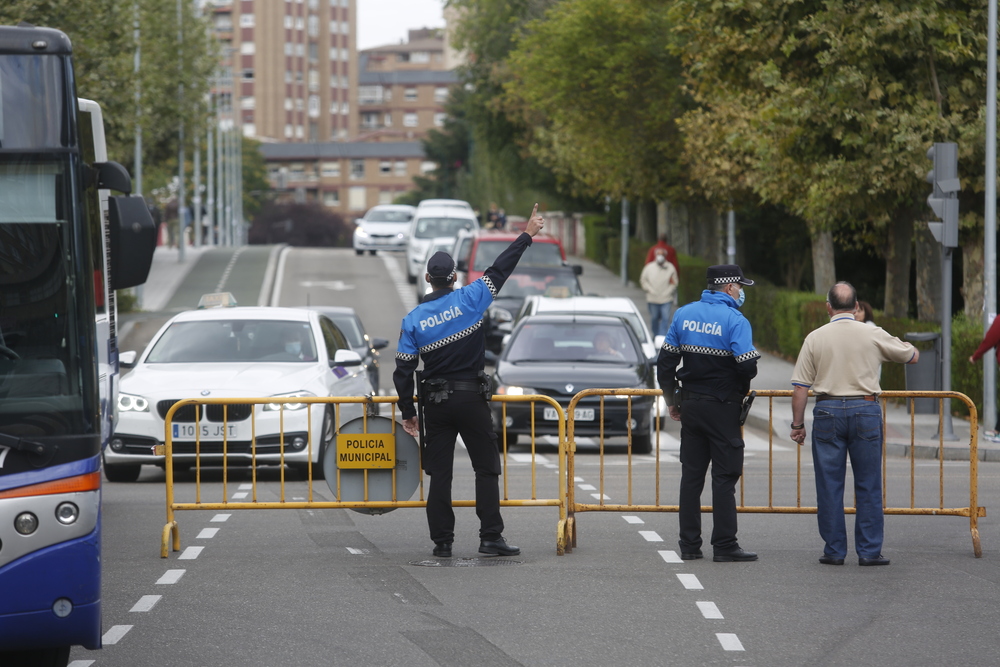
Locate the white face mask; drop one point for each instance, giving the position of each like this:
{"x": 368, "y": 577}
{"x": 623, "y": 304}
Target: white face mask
{"x": 294, "y": 347}
{"x": 661, "y": 260}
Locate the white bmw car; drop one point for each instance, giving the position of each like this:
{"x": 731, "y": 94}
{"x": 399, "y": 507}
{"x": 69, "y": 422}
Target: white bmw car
{"x": 235, "y": 353}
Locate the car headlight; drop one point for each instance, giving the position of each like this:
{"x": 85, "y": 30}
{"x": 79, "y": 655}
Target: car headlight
{"x": 276, "y": 407}
{"x": 361, "y": 232}
{"x": 514, "y": 390}
{"x": 130, "y": 403}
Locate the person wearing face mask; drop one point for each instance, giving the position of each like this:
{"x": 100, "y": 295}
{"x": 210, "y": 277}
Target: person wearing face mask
{"x": 659, "y": 280}
{"x": 715, "y": 342}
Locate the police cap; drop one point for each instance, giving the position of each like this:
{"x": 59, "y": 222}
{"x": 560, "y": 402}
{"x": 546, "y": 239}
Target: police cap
{"x": 727, "y": 273}
{"x": 441, "y": 265}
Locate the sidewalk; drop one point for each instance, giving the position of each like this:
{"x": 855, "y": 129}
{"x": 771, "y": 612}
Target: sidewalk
{"x": 775, "y": 373}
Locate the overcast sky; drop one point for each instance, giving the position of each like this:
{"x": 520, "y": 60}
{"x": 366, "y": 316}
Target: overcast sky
{"x": 383, "y": 22}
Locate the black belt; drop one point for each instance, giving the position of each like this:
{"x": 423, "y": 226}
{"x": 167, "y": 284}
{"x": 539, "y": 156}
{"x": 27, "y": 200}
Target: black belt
{"x": 828, "y": 397}
{"x": 694, "y": 396}
{"x": 459, "y": 385}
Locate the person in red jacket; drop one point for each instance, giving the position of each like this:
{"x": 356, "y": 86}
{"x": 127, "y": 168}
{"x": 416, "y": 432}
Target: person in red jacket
{"x": 662, "y": 244}
{"x": 990, "y": 341}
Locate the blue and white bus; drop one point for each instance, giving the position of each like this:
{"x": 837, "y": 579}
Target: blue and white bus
{"x": 66, "y": 245}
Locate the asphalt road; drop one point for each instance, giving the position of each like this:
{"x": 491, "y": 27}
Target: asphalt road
{"x": 337, "y": 587}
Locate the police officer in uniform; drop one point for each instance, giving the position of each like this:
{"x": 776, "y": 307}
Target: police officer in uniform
{"x": 714, "y": 341}
{"x": 446, "y": 332}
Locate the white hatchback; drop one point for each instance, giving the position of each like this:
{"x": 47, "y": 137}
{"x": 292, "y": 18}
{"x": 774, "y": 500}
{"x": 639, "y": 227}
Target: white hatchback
{"x": 428, "y": 224}
{"x": 383, "y": 227}
{"x": 235, "y": 353}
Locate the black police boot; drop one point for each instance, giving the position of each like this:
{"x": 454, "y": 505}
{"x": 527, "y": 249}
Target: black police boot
{"x": 498, "y": 547}
{"x": 442, "y": 549}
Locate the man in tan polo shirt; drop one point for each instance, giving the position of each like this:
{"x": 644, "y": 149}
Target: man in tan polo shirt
{"x": 840, "y": 362}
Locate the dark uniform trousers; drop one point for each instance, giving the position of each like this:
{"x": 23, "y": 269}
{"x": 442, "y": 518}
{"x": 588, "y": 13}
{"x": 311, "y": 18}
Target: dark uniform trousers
{"x": 710, "y": 433}
{"x": 466, "y": 413}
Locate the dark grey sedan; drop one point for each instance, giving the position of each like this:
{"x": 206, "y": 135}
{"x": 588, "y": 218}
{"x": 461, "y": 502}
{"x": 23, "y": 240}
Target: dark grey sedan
{"x": 350, "y": 324}
{"x": 561, "y": 355}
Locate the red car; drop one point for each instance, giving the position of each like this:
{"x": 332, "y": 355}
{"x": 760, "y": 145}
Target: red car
{"x": 475, "y": 254}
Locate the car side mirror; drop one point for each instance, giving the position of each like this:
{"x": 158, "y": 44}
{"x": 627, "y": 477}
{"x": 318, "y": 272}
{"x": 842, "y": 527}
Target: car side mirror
{"x": 462, "y": 265}
{"x": 505, "y": 327}
{"x": 379, "y": 343}
{"x": 127, "y": 359}
{"x": 346, "y": 358}
{"x": 505, "y": 340}
{"x": 577, "y": 269}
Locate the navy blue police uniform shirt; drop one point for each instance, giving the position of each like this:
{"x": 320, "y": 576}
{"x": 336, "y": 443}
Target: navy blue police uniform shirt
{"x": 446, "y": 329}
{"x": 715, "y": 342}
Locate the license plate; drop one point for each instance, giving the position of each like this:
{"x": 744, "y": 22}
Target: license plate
{"x": 208, "y": 431}
{"x": 579, "y": 414}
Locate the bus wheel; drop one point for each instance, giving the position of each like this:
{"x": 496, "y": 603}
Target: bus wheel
{"x": 43, "y": 657}
{"x": 122, "y": 472}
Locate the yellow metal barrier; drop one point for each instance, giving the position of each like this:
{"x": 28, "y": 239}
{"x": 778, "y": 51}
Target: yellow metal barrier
{"x": 171, "y": 529}
{"x": 972, "y": 511}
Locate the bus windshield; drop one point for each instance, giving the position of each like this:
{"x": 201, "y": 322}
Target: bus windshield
{"x": 32, "y": 105}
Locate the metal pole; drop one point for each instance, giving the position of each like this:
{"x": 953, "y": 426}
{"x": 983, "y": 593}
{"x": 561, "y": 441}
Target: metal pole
{"x": 946, "y": 261}
{"x": 220, "y": 185}
{"x": 181, "y": 204}
{"x": 990, "y": 228}
{"x": 137, "y": 168}
{"x": 731, "y": 236}
{"x": 210, "y": 169}
{"x": 196, "y": 199}
{"x": 624, "y": 259}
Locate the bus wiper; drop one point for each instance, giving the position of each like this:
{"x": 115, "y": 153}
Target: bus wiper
{"x": 39, "y": 453}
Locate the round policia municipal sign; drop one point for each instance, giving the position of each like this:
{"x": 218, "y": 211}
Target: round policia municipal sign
{"x": 377, "y": 450}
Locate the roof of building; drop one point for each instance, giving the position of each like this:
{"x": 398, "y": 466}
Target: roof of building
{"x": 425, "y": 44}
{"x": 342, "y": 149}
{"x": 403, "y": 77}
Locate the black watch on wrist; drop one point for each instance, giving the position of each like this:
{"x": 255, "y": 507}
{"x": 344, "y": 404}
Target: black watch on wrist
{"x": 796, "y": 427}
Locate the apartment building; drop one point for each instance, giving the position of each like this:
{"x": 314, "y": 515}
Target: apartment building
{"x": 403, "y": 88}
{"x": 293, "y": 65}
{"x": 347, "y": 177}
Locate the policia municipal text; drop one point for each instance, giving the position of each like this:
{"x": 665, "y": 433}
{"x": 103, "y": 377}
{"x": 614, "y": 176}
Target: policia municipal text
{"x": 714, "y": 341}
{"x": 446, "y": 332}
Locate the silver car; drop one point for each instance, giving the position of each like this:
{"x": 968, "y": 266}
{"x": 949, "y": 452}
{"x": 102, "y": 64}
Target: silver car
{"x": 384, "y": 227}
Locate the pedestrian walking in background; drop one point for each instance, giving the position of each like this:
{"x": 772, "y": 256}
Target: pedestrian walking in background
{"x": 840, "y": 362}
{"x": 659, "y": 280}
{"x": 863, "y": 313}
{"x": 446, "y": 331}
{"x": 661, "y": 244}
{"x": 990, "y": 341}
{"x": 715, "y": 343}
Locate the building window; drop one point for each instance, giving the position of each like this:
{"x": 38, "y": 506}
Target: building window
{"x": 248, "y": 103}
{"x": 300, "y": 132}
{"x": 246, "y": 20}
{"x": 288, "y": 131}
{"x": 313, "y": 52}
{"x": 400, "y": 167}
{"x": 300, "y": 50}
{"x": 410, "y": 94}
{"x": 249, "y": 130}
{"x": 289, "y": 22}
{"x": 334, "y": 25}
{"x": 247, "y": 74}
{"x": 330, "y": 170}
{"x": 346, "y": 4}
{"x": 288, "y": 76}
{"x": 441, "y": 94}
{"x": 314, "y": 106}
{"x": 369, "y": 121}
{"x": 313, "y": 132}
{"x": 313, "y": 80}
{"x": 357, "y": 199}
{"x": 314, "y": 5}
{"x": 288, "y": 104}
{"x": 345, "y": 27}
{"x": 224, "y": 22}
{"x": 247, "y": 48}
{"x": 385, "y": 167}
{"x": 288, "y": 49}
{"x": 331, "y": 198}
{"x": 410, "y": 119}
{"x": 333, "y": 53}
{"x": 357, "y": 169}
{"x": 299, "y": 104}
{"x": 313, "y": 26}
{"x": 345, "y": 108}
{"x": 388, "y": 119}
{"x": 370, "y": 94}
{"x": 439, "y": 119}
{"x": 385, "y": 197}
{"x": 420, "y": 57}
{"x": 299, "y": 23}
{"x": 403, "y": 57}
{"x": 298, "y": 77}
{"x": 345, "y": 55}
{"x": 427, "y": 167}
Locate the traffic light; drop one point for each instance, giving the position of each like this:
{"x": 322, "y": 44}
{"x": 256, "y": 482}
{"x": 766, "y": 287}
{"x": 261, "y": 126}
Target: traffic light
{"x": 944, "y": 198}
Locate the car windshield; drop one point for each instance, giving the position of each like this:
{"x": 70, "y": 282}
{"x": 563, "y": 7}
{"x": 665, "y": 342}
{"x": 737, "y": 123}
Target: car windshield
{"x": 537, "y": 254}
{"x": 223, "y": 341}
{"x": 439, "y": 246}
{"x": 348, "y": 324}
{"x": 630, "y": 317}
{"x": 572, "y": 341}
{"x": 520, "y": 285}
{"x": 428, "y": 228}
{"x": 388, "y": 216}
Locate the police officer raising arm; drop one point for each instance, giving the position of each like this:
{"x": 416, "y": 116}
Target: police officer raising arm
{"x": 446, "y": 332}
{"x": 715, "y": 343}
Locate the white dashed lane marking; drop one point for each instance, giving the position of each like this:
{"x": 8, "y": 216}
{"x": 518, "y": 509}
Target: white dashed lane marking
{"x": 690, "y": 582}
{"x": 650, "y": 536}
{"x": 709, "y": 610}
{"x": 729, "y": 641}
{"x": 81, "y": 663}
{"x": 357, "y": 552}
{"x": 240, "y": 496}
{"x": 633, "y": 519}
{"x": 171, "y": 577}
{"x": 190, "y": 553}
{"x": 670, "y": 557}
{"x": 587, "y": 487}
{"x": 246, "y": 487}
{"x": 207, "y": 533}
{"x": 146, "y": 602}
{"x": 598, "y": 496}
{"x": 115, "y": 634}
{"x": 221, "y": 517}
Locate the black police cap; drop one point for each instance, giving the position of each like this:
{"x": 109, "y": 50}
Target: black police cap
{"x": 727, "y": 273}
{"x": 441, "y": 265}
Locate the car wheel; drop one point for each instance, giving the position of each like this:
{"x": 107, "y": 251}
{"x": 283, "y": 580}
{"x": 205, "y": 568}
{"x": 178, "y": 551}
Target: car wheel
{"x": 372, "y": 252}
{"x": 122, "y": 472}
{"x": 643, "y": 443}
{"x": 41, "y": 657}
{"x": 359, "y": 252}
{"x": 411, "y": 279}
{"x": 327, "y": 440}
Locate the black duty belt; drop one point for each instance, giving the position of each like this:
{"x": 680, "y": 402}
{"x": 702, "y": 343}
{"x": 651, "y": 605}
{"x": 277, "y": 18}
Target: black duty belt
{"x": 695, "y": 396}
{"x": 828, "y": 397}
{"x": 459, "y": 385}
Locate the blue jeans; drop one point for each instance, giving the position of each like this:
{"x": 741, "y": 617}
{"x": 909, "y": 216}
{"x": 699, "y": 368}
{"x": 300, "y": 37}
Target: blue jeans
{"x": 842, "y": 428}
{"x": 660, "y": 314}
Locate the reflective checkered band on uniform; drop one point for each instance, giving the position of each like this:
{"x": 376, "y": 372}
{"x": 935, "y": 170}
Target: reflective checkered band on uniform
{"x": 403, "y": 356}
{"x": 671, "y": 348}
{"x": 700, "y": 349}
{"x": 723, "y": 281}
{"x": 747, "y": 356}
{"x": 451, "y": 339}
{"x": 489, "y": 284}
